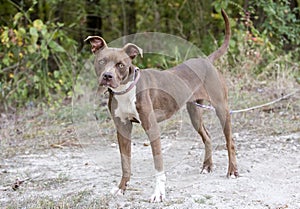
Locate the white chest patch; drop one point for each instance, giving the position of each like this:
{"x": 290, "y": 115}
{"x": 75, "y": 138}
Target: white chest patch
{"x": 126, "y": 106}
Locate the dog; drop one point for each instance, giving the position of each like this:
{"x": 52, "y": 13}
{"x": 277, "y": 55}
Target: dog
{"x": 150, "y": 96}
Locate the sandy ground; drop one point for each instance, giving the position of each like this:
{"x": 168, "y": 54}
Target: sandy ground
{"x": 75, "y": 164}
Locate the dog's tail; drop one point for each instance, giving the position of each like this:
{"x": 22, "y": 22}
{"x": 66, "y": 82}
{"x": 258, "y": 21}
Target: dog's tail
{"x": 220, "y": 51}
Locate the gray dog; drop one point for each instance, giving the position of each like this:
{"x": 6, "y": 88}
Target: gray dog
{"x": 150, "y": 96}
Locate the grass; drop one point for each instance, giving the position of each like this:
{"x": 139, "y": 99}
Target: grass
{"x": 78, "y": 200}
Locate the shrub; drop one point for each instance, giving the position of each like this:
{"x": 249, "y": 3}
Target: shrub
{"x": 39, "y": 62}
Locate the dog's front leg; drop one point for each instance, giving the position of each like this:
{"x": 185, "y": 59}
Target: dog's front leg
{"x": 151, "y": 127}
{"x": 124, "y": 140}
{"x": 159, "y": 192}
{"x": 125, "y": 151}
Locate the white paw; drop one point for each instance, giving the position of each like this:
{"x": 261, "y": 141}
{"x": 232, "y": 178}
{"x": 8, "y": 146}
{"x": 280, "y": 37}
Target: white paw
{"x": 159, "y": 193}
{"x": 116, "y": 191}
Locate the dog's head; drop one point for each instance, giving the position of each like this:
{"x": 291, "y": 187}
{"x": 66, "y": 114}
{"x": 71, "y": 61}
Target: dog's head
{"x": 113, "y": 65}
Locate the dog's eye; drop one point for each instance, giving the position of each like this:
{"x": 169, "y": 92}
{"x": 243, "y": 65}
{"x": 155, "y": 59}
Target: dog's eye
{"x": 120, "y": 65}
{"x": 102, "y": 62}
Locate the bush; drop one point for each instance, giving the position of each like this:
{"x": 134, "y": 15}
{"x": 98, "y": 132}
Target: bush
{"x": 265, "y": 36}
{"x": 40, "y": 59}
{"x": 39, "y": 62}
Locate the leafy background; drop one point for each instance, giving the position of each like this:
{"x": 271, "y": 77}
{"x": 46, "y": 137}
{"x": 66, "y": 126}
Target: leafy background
{"x": 42, "y": 49}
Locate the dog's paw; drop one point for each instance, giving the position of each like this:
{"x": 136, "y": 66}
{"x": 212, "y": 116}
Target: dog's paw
{"x": 159, "y": 194}
{"x": 116, "y": 191}
{"x": 232, "y": 171}
{"x": 233, "y": 175}
{"x": 206, "y": 169}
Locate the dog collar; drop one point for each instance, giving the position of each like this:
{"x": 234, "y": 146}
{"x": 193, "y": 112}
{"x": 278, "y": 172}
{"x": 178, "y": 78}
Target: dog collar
{"x": 136, "y": 77}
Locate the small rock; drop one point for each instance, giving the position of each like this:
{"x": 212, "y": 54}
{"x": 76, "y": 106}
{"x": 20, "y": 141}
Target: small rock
{"x": 236, "y": 135}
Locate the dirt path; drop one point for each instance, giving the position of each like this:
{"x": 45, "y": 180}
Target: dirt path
{"x": 75, "y": 165}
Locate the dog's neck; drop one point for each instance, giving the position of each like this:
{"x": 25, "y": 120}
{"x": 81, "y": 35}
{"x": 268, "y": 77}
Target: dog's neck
{"x": 123, "y": 89}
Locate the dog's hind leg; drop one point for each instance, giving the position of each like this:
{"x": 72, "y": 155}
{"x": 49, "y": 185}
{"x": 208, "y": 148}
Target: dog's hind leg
{"x": 195, "y": 114}
{"x": 218, "y": 97}
{"x": 223, "y": 114}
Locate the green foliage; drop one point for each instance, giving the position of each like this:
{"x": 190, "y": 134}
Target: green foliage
{"x": 38, "y": 62}
{"x": 277, "y": 21}
{"x": 265, "y": 38}
{"x": 42, "y": 47}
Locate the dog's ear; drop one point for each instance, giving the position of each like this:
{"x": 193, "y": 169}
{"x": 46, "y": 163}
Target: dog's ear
{"x": 97, "y": 43}
{"x": 132, "y": 50}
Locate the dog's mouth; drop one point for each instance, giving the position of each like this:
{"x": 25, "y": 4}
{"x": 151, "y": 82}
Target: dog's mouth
{"x": 110, "y": 84}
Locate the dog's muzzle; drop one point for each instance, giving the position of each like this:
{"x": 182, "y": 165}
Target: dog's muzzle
{"x": 107, "y": 76}
{"x": 107, "y": 79}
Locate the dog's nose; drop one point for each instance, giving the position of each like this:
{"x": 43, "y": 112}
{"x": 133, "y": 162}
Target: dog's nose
{"x": 107, "y": 76}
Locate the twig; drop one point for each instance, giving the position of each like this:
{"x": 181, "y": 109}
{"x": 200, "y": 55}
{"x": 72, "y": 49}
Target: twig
{"x": 18, "y": 183}
{"x": 22, "y": 10}
{"x": 10, "y": 67}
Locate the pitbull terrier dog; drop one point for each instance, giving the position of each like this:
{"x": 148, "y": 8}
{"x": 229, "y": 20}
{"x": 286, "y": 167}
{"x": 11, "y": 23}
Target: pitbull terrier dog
{"x": 150, "y": 96}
